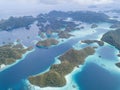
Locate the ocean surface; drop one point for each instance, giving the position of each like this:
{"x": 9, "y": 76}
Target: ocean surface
{"x": 98, "y": 73}
{"x": 36, "y": 62}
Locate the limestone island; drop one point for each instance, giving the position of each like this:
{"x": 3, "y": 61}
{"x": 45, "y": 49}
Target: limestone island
{"x": 47, "y": 43}
{"x": 113, "y": 38}
{"x": 55, "y": 77}
{"x": 9, "y": 53}
{"x": 100, "y": 43}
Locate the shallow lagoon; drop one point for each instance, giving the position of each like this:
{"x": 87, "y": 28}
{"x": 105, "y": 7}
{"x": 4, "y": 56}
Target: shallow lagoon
{"x": 100, "y": 73}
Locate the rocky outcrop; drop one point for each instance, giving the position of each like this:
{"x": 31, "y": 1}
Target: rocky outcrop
{"x": 113, "y": 38}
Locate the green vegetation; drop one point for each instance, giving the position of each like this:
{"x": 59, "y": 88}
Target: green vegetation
{"x": 55, "y": 77}
{"x": 10, "y": 53}
{"x": 64, "y": 34}
{"x": 14, "y": 22}
{"x": 113, "y": 38}
{"x": 100, "y": 43}
{"x": 48, "y": 42}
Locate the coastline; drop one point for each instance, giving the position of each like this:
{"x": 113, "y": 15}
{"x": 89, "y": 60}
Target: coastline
{"x": 17, "y": 61}
{"x": 70, "y": 83}
{"x": 76, "y": 69}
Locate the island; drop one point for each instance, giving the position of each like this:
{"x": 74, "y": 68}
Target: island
{"x": 9, "y": 53}
{"x": 100, "y": 43}
{"x": 64, "y": 34}
{"x": 113, "y": 38}
{"x": 118, "y": 64}
{"x": 55, "y": 20}
{"x": 55, "y": 77}
{"x": 115, "y": 25}
{"x": 16, "y": 22}
{"x": 94, "y": 26}
{"x": 47, "y": 42}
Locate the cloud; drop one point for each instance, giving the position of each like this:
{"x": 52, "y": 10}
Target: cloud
{"x": 80, "y": 2}
{"x": 19, "y": 7}
{"x": 93, "y": 2}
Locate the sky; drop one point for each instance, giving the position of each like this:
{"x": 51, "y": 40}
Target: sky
{"x": 34, "y": 7}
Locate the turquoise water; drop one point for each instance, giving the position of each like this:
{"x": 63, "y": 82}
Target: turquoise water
{"x": 98, "y": 72}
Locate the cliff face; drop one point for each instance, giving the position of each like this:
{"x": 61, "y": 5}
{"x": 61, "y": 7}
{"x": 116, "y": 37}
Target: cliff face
{"x": 113, "y": 38}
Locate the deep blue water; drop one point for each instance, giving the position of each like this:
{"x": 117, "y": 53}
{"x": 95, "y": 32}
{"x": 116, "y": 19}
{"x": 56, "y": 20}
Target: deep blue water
{"x": 34, "y": 63}
{"x": 108, "y": 52}
{"x": 96, "y": 77}
{"x": 92, "y": 76}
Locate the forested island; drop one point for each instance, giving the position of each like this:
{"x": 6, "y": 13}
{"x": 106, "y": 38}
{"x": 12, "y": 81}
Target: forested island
{"x": 55, "y": 77}
{"x": 100, "y": 43}
{"x": 55, "y": 20}
{"x": 9, "y": 53}
{"x": 47, "y": 43}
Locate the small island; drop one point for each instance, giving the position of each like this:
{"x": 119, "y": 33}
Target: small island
{"x": 64, "y": 34}
{"x": 100, "y": 43}
{"x": 55, "y": 77}
{"x": 114, "y": 26}
{"x": 47, "y": 43}
{"x": 118, "y": 55}
{"x": 113, "y": 38}
{"x": 118, "y": 65}
{"x": 10, "y": 53}
{"x": 94, "y": 26}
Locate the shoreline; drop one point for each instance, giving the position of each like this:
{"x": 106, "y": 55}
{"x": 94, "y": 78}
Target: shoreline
{"x": 70, "y": 83}
{"x": 17, "y": 61}
{"x": 76, "y": 69}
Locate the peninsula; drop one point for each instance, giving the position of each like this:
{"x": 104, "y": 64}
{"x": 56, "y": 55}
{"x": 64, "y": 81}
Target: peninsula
{"x": 10, "y": 53}
{"x": 55, "y": 77}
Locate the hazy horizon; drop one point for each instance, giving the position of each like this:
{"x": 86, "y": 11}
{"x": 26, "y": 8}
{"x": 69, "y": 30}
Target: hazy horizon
{"x": 34, "y": 7}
